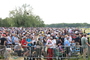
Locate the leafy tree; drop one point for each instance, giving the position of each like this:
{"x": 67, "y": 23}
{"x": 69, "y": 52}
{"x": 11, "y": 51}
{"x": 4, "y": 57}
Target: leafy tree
{"x": 0, "y": 22}
{"x": 24, "y": 17}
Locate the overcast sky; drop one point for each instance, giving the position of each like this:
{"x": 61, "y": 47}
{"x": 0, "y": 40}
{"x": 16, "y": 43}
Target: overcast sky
{"x": 52, "y": 11}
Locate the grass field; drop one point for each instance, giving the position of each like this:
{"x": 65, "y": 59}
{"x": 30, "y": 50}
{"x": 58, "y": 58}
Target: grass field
{"x": 87, "y": 30}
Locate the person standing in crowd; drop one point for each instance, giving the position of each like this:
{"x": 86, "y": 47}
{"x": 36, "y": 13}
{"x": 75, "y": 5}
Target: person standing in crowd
{"x": 39, "y": 47}
{"x": 67, "y": 46}
{"x": 29, "y": 41}
{"x": 40, "y": 36}
{"x": 77, "y": 39}
{"x": 44, "y": 41}
{"x": 16, "y": 40}
{"x": 85, "y": 45}
{"x": 18, "y": 49}
{"x": 24, "y": 44}
{"x": 3, "y": 40}
{"x": 9, "y": 40}
{"x": 62, "y": 40}
{"x": 33, "y": 41}
{"x": 54, "y": 46}
{"x": 81, "y": 48}
{"x": 49, "y": 44}
{"x": 13, "y": 38}
{"x": 72, "y": 46}
{"x": 70, "y": 38}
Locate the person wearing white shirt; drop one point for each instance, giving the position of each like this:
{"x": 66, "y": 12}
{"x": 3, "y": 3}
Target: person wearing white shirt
{"x": 33, "y": 42}
{"x": 70, "y": 39}
{"x": 16, "y": 40}
{"x": 49, "y": 44}
{"x": 54, "y": 47}
{"x": 9, "y": 40}
{"x": 54, "y": 43}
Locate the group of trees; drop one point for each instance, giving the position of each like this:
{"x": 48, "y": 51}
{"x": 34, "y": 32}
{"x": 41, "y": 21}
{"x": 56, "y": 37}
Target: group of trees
{"x": 22, "y": 17}
{"x": 69, "y": 25}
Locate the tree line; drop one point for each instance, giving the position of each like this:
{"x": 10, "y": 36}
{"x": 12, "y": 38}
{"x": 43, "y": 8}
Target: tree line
{"x": 22, "y": 17}
{"x": 68, "y": 25}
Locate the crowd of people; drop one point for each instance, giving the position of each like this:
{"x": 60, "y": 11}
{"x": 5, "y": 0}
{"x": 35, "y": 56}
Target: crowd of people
{"x": 27, "y": 41}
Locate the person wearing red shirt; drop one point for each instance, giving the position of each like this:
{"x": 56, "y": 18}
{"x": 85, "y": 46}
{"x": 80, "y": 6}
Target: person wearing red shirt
{"x": 24, "y": 46}
{"x": 24, "y": 42}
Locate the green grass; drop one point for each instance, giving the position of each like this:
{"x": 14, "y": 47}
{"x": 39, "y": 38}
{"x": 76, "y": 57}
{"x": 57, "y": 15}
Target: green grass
{"x": 87, "y": 30}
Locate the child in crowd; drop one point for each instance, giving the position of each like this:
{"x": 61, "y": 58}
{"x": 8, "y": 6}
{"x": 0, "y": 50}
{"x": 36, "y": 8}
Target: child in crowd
{"x": 72, "y": 48}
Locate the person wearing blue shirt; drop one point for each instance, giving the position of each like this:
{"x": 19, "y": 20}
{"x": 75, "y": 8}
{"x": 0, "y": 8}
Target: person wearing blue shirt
{"x": 13, "y": 38}
{"x": 66, "y": 43}
{"x": 29, "y": 41}
{"x": 67, "y": 46}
